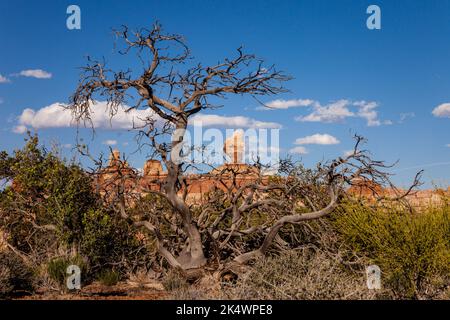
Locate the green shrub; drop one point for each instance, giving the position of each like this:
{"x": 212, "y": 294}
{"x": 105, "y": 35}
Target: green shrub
{"x": 48, "y": 189}
{"x": 108, "y": 239}
{"x": 109, "y": 277}
{"x": 412, "y": 249}
{"x": 174, "y": 280}
{"x": 57, "y": 268}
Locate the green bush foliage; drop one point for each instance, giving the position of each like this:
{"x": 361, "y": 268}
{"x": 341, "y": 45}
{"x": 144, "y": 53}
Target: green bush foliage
{"x": 57, "y": 268}
{"x": 108, "y": 277}
{"x": 108, "y": 239}
{"x": 412, "y": 249}
{"x": 45, "y": 190}
{"x": 51, "y": 206}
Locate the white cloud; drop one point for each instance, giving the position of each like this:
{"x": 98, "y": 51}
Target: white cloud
{"x": 285, "y": 104}
{"x": 334, "y": 112}
{"x": 448, "y": 145}
{"x": 110, "y": 142}
{"x": 67, "y": 146}
{"x": 212, "y": 120}
{"x": 340, "y": 110}
{"x": 56, "y": 116}
{"x": 36, "y": 73}
{"x": 442, "y": 110}
{"x": 4, "y": 79}
{"x": 324, "y": 139}
{"x": 298, "y": 150}
{"x": 368, "y": 112}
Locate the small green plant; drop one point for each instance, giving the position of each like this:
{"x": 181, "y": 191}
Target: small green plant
{"x": 412, "y": 249}
{"x": 57, "y": 268}
{"x": 108, "y": 277}
{"x": 174, "y": 280}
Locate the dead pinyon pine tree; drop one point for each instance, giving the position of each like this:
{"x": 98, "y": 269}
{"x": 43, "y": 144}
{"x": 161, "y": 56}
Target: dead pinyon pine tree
{"x": 243, "y": 222}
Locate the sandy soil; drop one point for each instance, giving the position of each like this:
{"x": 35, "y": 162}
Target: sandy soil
{"x": 97, "y": 291}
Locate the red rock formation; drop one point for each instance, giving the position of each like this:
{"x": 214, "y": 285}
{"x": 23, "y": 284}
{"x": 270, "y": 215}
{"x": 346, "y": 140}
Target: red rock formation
{"x": 118, "y": 171}
{"x": 366, "y": 189}
{"x": 418, "y": 199}
{"x": 221, "y": 177}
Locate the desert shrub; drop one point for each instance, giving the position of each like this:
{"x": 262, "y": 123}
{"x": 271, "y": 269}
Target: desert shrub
{"x": 5, "y": 284}
{"x": 412, "y": 249}
{"x": 71, "y": 197}
{"x": 57, "y": 268}
{"x": 45, "y": 191}
{"x": 300, "y": 274}
{"x": 15, "y": 275}
{"x": 109, "y": 277}
{"x": 108, "y": 239}
{"x": 174, "y": 280}
{"x": 18, "y": 221}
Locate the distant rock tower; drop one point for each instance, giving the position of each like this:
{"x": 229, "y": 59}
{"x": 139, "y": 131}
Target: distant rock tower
{"x": 114, "y": 158}
{"x": 153, "y": 168}
{"x": 234, "y": 150}
{"x": 234, "y": 147}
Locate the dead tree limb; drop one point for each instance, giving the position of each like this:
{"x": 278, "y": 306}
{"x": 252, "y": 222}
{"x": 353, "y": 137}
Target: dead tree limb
{"x": 174, "y": 94}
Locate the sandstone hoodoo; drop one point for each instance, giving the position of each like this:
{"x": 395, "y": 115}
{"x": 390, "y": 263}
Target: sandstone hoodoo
{"x": 221, "y": 177}
{"x": 198, "y": 185}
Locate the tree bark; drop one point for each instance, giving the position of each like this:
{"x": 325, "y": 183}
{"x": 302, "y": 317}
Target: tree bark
{"x": 294, "y": 218}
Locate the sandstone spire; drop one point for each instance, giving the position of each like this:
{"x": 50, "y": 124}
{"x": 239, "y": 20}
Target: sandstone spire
{"x": 234, "y": 147}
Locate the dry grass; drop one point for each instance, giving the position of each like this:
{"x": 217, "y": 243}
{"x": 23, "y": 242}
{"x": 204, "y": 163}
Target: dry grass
{"x": 306, "y": 274}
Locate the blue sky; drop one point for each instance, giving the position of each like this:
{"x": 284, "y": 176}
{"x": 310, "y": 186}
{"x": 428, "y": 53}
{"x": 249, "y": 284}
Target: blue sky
{"x": 401, "y": 72}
